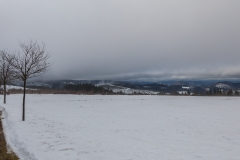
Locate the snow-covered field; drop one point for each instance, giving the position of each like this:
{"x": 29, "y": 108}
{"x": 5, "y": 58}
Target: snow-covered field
{"x": 78, "y": 127}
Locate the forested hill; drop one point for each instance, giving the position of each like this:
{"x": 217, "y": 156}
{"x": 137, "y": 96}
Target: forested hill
{"x": 86, "y": 88}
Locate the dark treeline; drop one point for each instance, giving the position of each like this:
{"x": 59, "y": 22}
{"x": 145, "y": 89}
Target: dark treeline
{"x": 219, "y": 92}
{"x": 86, "y": 89}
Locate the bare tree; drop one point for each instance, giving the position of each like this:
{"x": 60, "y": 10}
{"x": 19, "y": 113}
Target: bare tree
{"x": 31, "y": 62}
{"x": 6, "y": 70}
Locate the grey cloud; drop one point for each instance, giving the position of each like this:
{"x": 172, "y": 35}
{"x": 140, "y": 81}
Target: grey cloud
{"x": 145, "y": 39}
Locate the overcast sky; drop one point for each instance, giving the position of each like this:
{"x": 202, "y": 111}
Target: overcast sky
{"x": 128, "y": 39}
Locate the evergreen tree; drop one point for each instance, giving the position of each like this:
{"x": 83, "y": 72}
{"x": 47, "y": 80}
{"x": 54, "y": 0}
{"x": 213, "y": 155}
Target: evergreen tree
{"x": 219, "y": 91}
{"x": 236, "y": 93}
{"x": 210, "y": 92}
{"x": 230, "y": 92}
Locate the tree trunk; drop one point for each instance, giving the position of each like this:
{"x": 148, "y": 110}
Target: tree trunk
{"x": 5, "y": 91}
{"x": 24, "y": 94}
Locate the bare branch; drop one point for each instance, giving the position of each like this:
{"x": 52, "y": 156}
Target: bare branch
{"x": 32, "y": 61}
{"x": 6, "y": 69}
{"x": 6, "y": 66}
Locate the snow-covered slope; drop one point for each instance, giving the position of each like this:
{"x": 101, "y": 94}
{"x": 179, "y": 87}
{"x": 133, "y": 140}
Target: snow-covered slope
{"x": 12, "y": 87}
{"x": 223, "y": 85}
{"x": 39, "y": 84}
{"x": 134, "y": 91}
{"x": 9, "y": 87}
{"x": 124, "y": 90}
{"x": 73, "y": 127}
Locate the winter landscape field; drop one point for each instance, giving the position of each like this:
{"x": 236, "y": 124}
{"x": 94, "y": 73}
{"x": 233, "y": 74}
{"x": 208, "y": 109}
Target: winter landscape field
{"x": 80, "y": 127}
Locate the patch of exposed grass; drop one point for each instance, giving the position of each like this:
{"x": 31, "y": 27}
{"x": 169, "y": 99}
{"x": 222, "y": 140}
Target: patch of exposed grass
{"x": 4, "y": 155}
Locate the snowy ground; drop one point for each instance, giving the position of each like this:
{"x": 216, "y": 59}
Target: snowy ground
{"x": 78, "y": 127}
